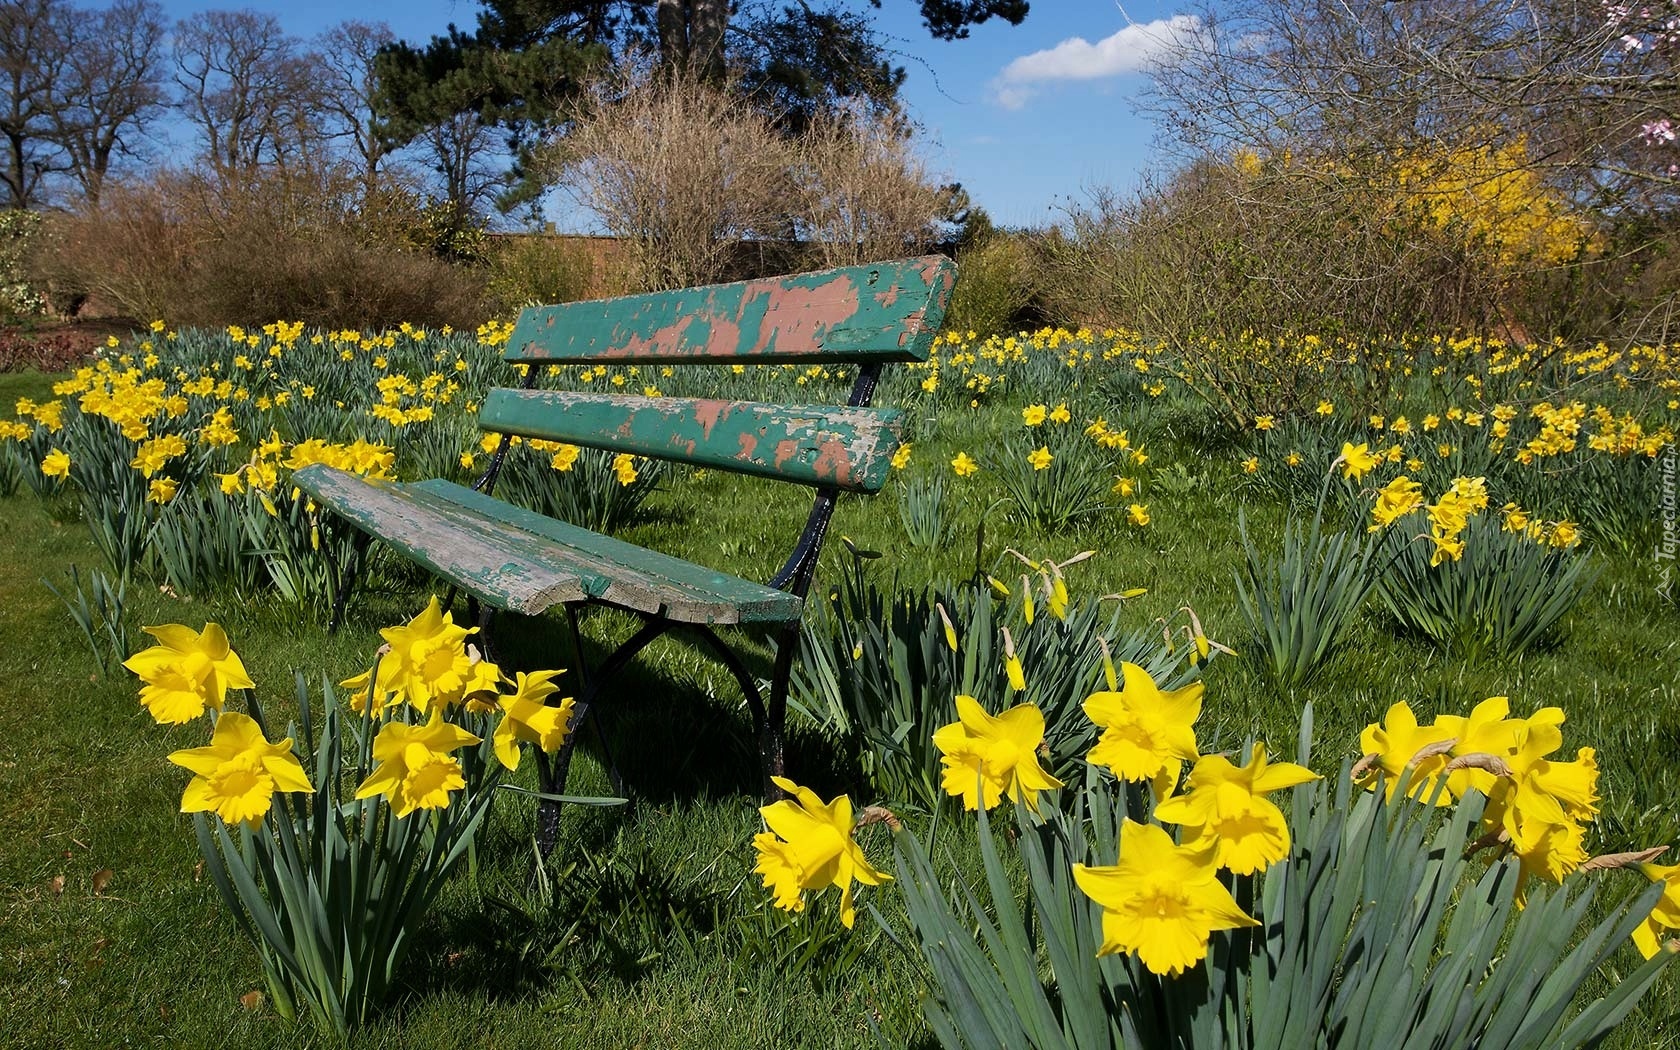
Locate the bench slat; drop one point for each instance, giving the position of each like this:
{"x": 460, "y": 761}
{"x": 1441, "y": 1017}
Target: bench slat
{"x": 516, "y": 559}
{"x": 636, "y": 577}
{"x": 500, "y": 573}
{"x": 881, "y": 312}
{"x": 848, "y": 448}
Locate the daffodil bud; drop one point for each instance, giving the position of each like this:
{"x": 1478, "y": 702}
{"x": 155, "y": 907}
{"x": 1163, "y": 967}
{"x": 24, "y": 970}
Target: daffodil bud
{"x": 1012, "y": 664}
{"x": 950, "y": 630}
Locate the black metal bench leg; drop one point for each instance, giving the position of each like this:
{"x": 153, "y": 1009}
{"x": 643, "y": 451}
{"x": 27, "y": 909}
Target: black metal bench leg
{"x": 552, "y": 773}
{"x": 771, "y": 739}
{"x": 767, "y": 727}
{"x": 551, "y": 780}
{"x": 347, "y": 580}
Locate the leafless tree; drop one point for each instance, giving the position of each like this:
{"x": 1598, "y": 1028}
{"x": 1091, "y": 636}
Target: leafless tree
{"x": 459, "y": 151}
{"x": 246, "y": 87}
{"x": 110, "y": 87}
{"x": 344, "y": 64}
{"x": 685, "y": 172}
{"x": 32, "y": 59}
{"x": 864, "y": 192}
{"x": 1579, "y": 82}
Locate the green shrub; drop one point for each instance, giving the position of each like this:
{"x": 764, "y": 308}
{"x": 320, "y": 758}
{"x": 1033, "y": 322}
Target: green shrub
{"x": 996, "y": 289}
{"x": 529, "y": 270}
{"x": 1054, "y": 494}
{"x": 923, "y": 511}
{"x": 588, "y": 494}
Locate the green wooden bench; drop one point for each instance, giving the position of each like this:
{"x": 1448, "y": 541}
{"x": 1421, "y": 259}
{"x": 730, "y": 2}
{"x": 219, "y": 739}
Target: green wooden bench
{"x": 512, "y": 559}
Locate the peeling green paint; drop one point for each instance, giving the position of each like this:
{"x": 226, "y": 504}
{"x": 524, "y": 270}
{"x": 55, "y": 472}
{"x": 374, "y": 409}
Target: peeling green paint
{"x": 848, "y": 448}
{"x": 882, "y": 312}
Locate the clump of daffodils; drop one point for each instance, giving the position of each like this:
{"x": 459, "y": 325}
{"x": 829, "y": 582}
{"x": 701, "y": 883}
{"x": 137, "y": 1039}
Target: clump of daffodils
{"x": 426, "y": 680}
{"x": 1538, "y": 804}
{"x": 1452, "y": 512}
{"x": 1169, "y": 892}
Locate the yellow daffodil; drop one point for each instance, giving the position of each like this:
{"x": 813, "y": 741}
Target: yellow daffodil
{"x": 964, "y": 466}
{"x": 1394, "y": 501}
{"x": 1146, "y": 732}
{"x": 1161, "y": 902}
{"x": 1226, "y": 803}
{"x": 427, "y": 659}
{"x": 236, "y": 776}
{"x": 1563, "y": 535}
{"x": 564, "y": 457}
{"x": 527, "y": 717}
{"x": 986, "y": 757}
{"x": 1251, "y": 465}
{"x": 1033, "y": 415}
{"x": 900, "y": 457}
{"x": 190, "y": 671}
{"x": 1138, "y": 514}
{"x": 1357, "y": 460}
{"x": 161, "y": 490}
{"x": 1396, "y": 742}
{"x": 809, "y": 847}
{"x": 56, "y": 464}
{"x": 1040, "y": 457}
{"x": 1665, "y": 917}
{"x": 416, "y": 770}
{"x": 1264, "y": 422}
{"x": 624, "y": 468}
{"x": 1447, "y": 548}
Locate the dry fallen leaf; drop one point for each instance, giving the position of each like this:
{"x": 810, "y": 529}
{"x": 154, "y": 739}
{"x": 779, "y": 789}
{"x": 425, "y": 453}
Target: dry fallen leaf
{"x": 101, "y": 879}
{"x": 56, "y": 884}
{"x": 251, "y": 1000}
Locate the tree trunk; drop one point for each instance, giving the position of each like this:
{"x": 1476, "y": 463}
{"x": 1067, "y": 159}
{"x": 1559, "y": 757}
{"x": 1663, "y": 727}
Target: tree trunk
{"x": 671, "y": 21}
{"x": 707, "y": 21}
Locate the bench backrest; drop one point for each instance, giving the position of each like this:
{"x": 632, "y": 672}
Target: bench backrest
{"x": 862, "y": 315}
{"x": 883, "y": 312}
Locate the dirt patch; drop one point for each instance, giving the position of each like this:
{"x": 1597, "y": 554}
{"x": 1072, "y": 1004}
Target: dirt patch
{"x": 57, "y": 347}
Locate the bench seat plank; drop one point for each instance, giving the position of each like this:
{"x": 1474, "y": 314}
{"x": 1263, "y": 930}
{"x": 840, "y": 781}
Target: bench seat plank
{"x": 507, "y": 575}
{"x": 516, "y": 559}
{"x": 881, "y": 312}
{"x": 847, "y": 448}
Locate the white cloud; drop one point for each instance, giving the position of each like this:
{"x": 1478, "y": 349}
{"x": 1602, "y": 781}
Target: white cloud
{"x": 1129, "y": 50}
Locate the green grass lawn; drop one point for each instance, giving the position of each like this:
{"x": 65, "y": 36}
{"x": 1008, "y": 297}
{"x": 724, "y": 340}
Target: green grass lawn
{"x": 654, "y": 932}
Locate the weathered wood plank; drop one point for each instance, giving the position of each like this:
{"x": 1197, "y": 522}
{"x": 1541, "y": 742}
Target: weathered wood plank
{"x": 498, "y": 572}
{"x": 513, "y": 558}
{"x": 848, "y": 448}
{"x": 636, "y": 577}
{"x": 882, "y": 312}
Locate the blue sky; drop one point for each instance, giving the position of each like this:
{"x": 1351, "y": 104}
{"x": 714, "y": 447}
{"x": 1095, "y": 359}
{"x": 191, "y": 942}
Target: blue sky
{"x": 1026, "y": 117}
